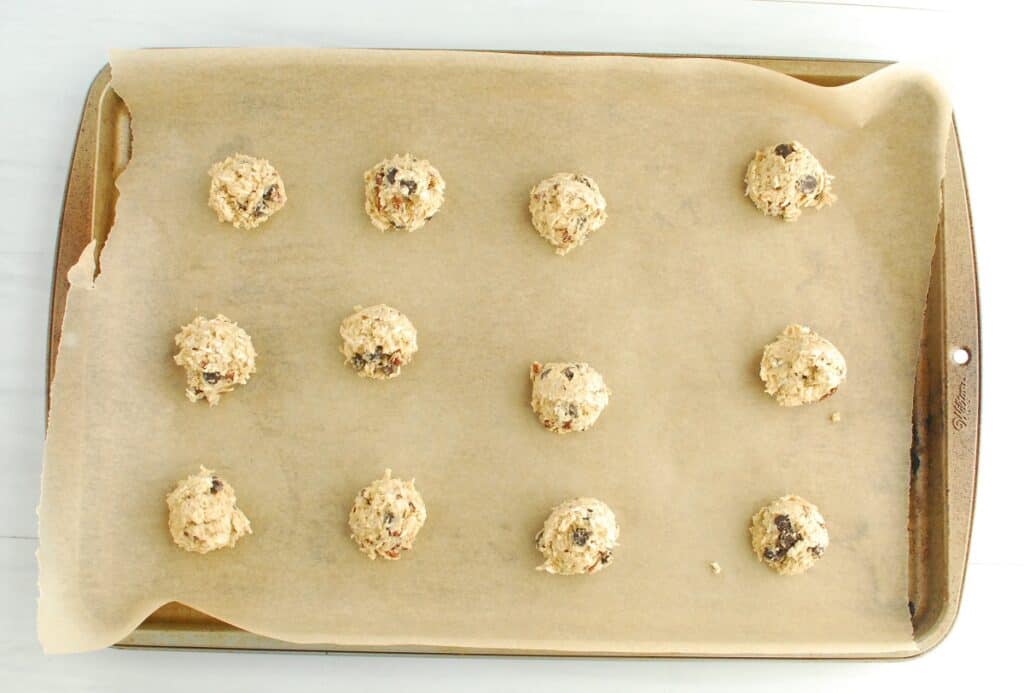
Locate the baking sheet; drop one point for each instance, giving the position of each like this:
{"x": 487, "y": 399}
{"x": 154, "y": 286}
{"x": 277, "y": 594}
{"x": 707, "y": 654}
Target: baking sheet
{"x": 671, "y": 300}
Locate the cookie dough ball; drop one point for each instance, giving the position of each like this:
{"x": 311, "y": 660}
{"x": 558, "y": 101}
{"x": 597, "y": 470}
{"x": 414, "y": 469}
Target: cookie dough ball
{"x": 566, "y": 208}
{"x": 403, "y": 192}
{"x": 801, "y": 367}
{"x": 789, "y": 535}
{"x": 377, "y": 341}
{"x": 783, "y": 179}
{"x": 386, "y": 517}
{"x": 203, "y": 513}
{"x": 245, "y": 191}
{"x": 216, "y": 354}
{"x": 578, "y": 537}
{"x": 567, "y": 396}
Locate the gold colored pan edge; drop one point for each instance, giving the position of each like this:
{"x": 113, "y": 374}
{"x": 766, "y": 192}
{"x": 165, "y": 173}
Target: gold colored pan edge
{"x": 947, "y": 398}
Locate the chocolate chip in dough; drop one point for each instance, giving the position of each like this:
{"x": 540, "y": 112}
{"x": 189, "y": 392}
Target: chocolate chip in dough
{"x": 580, "y": 536}
{"x": 808, "y": 184}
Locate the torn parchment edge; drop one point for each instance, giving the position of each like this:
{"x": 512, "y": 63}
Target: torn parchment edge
{"x": 80, "y": 278}
{"x": 106, "y": 234}
{"x": 85, "y": 272}
{"x": 83, "y": 275}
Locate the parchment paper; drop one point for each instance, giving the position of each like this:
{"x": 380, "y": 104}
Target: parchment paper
{"x": 672, "y": 301}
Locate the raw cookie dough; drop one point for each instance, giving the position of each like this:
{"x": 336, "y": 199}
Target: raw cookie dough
{"x": 566, "y": 208}
{"x": 789, "y": 535}
{"x": 245, "y": 191}
{"x": 386, "y": 517}
{"x": 567, "y": 396}
{"x": 377, "y": 341}
{"x": 203, "y": 513}
{"x": 578, "y": 537}
{"x": 783, "y": 179}
{"x": 801, "y": 367}
{"x": 403, "y": 192}
{"x": 216, "y": 354}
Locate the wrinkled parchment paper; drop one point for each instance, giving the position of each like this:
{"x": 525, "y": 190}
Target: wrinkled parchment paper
{"x": 672, "y": 301}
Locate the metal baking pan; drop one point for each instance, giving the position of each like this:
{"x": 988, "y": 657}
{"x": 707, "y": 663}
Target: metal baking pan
{"x": 941, "y": 464}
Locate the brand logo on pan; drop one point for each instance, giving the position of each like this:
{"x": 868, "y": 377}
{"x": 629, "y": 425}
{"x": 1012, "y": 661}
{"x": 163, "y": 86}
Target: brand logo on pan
{"x": 961, "y": 407}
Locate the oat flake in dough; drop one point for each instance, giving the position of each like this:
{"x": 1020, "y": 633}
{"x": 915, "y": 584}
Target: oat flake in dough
{"x": 784, "y": 179}
{"x": 403, "y": 193}
{"x": 386, "y": 517}
{"x": 216, "y": 354}
{"x": 567, "y": 396}
{"x": 245, "y": 191}
{"x": 578, "y": 537}
{"x": 377, "y": 341}
{"x": 789, "y": 535}
{"x": 801, "y": 367}
{"x": 566, "y": 208}
{"x": 204, "y": 515}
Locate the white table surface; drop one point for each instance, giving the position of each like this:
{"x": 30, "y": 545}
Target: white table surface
{"x": 51, "y": 50}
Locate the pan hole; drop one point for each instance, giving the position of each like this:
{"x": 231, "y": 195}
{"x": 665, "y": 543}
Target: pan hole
{"x": 961, "y": 356}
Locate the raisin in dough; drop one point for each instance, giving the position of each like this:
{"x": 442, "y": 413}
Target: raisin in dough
{"x": 567, "y": 396}
{"x": 578, "y": 537}
{"x": 386, "y": 517}
{"x": 801, "y": 367}
{"x": 403, "y": 192}
{"x": 377, "y": 341}
{"x": 245, "y": 191}
{"x": 216, "y": 354}
{"x": 566, "y": 208}
{"x": 204, "y": 515}
{"x": 789, "y": 535}
{"x": 784, "y": 179}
